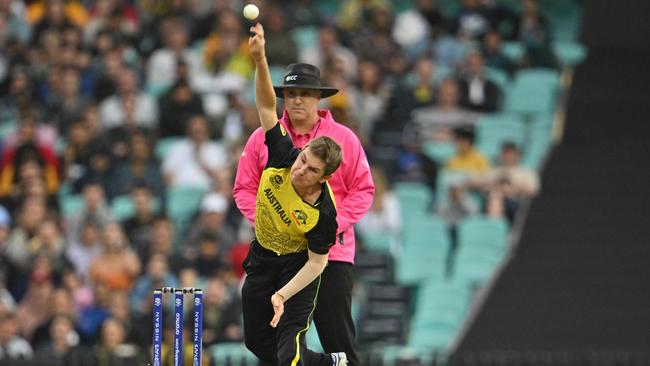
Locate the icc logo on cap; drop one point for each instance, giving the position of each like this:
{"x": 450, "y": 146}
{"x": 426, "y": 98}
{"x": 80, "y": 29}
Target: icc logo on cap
{"x": 291, "y": 78}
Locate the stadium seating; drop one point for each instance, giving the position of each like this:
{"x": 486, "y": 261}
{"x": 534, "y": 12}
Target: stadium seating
{"x": 313, "y": 343}
{"x": 440, "y": 152}
{"x": 71, "y": 204}
{"x": 423, "y": 253}
{"x": 164, "y": 145}
{"x": 122, "y": 207}
{"x": 499, "y": 77}
{"x": 482, "y": 244}
{"x": 7, "y": 129}
{"x": 415, "y": 199}
{"x": 569, "y": 53}
{"x": 445, "y": 179}
{"x": 234, "y": 354}
{"x": 182, "y": 204}
{"x": 533, "y": 91}
{"x": 495, "y": 129}
{"x": 513, "y": 50}
{"x": 483, "y": 232}
{"x": 305, "y": 37}
{"x": 540, "y": 139}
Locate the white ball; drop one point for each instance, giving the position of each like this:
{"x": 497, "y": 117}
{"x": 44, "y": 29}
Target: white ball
{"x": 251, "y": 11}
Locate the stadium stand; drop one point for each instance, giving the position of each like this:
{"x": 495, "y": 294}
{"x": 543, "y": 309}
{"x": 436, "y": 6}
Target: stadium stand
{"x": 119, "y": 68}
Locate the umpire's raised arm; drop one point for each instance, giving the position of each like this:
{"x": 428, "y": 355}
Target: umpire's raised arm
{"x": 264, "y": 93}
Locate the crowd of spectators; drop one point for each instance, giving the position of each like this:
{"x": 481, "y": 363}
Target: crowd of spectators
{"x": 91, "y": 90}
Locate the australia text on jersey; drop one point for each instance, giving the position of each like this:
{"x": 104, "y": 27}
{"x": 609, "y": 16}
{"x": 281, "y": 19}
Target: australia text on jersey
{"x": 276, "y": 206}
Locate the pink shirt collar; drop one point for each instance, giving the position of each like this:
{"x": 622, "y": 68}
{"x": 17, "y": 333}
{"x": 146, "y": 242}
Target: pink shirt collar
{"x": 324, "y": 121}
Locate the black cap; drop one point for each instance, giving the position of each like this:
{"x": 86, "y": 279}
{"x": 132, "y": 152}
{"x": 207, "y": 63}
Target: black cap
{"x": 304, "y": 76}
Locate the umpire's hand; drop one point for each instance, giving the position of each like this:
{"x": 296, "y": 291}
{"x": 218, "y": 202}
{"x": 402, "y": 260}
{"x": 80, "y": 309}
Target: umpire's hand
{"x": 277, "y": 301}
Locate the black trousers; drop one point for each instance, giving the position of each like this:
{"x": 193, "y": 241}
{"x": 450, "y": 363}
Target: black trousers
{"x": 284, "y": 345}
{"x": 333, "y": 315}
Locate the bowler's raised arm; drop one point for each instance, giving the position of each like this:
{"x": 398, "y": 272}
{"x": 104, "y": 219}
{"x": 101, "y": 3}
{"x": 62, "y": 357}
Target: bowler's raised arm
{"x": 264, "y": 93}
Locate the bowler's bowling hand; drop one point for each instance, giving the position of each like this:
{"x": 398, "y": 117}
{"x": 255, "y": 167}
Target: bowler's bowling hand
{"x": 256, "y": 42}
{"x": 277, "y": 301}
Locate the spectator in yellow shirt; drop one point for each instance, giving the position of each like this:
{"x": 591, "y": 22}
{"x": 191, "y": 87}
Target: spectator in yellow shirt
{"x": 467, "y": 159}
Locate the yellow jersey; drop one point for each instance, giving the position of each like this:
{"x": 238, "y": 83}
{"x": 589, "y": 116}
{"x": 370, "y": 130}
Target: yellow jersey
{"x": 284, "y": 222}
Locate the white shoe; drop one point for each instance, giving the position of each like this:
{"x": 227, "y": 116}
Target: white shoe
{"x": 339, "y": 359}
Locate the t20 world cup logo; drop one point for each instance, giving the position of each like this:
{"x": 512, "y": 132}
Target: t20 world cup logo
{"x": 179, "y": 302}
{"x": 197, "y": 302}
{"x": 157, "y": 301}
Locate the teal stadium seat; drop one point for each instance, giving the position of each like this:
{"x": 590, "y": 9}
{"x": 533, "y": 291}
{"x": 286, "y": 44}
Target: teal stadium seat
{"x": 328, "y": 8}
{"x": 540, "y": 139}
{"x": 492, "y": 130}
{"x": 415, "y": 199}
{"x": 482, "y": 246}
{"x": 431, "y": 336}
{"x": 513, "y": 50}
{"x": 65, "y": 189}
{"x": 441, "y": 309}
{"x": 164, "y": 146}
{"x": 440, "y": 152}
{"x": 533, "y": 91}
{"x": 277, "y": 72}
{"x": 377, "y": 241}
{"x": 483, "y": 232}
{"x": 233, "y": 354}
{"x": 569, "y": 53}
{"x": 305, "y": 37}
{"x": 60, "y": 145}
{"x": 156, "y": 90}
{"x": 6, "y": 129}
{"x": 445, "y": 179}
{"x": 182, "y": 203}
{"x": 313, "y": 343}
{"x": 441, "y": 302}
{"x": 542, "y": 78}
{"x": 423, "y": 253}
{"x": 499, "y": 77}
{"x": 529, "y": 100}
{"x": 122, "y": 207}
{"x": 564, "y": 18}
{"x": 473, "y": 270}
{"x": 71, "y": 204}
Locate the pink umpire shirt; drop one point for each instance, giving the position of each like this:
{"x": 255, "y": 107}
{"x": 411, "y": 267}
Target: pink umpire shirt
{"x": 352, "y": 183}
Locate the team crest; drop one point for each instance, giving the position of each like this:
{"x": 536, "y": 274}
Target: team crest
{"x": 299, "y": 216}
{"x": 276, "y": 181}
{"x": 283, "y": 131}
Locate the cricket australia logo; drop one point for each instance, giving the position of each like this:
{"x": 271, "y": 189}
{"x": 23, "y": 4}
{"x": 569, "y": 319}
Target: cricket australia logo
{"x": 276, "y": 181}
{"x": 299, "y": 216}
